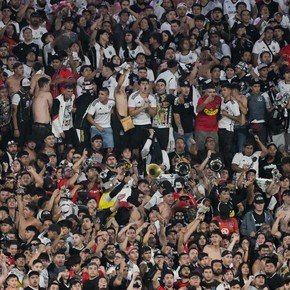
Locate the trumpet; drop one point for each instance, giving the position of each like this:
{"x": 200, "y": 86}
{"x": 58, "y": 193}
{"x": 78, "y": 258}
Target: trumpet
{"x": 153, "y": 170}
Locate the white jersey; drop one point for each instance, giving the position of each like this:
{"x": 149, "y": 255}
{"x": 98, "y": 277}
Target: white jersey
{"x": 283, "y": 87}
{"x": 102, "y": 112}
{"x": 261, "y": 46}
{"x": 232, "y": 108}
{"x": 132, "y": 52}
{"x": 230, "y": 7}
{"x": 136, "y": 101}
{"x": 170, "y": 78}
{"x": 36, "y": 35}
{"x": 110, "y": 84}
{"x": 189, "y": 58}
{"x": 252, "y": 161}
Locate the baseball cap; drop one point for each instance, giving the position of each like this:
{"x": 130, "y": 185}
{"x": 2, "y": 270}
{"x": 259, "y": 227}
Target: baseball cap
{"x": 226, "y": 252}
{"x": 259, "y": 274}
{"x": 131, "y": 249}
{"x": 25, "y": 82}
{"x": 7, "y": 221}
{"x": 158, "y": 254}
{"x": 243, "y": 66}
{"x": 185, "y": 84}
{"x": 255, "y": 82}
{"x": 259, "y": 199}
{"x": 262, "y": 65}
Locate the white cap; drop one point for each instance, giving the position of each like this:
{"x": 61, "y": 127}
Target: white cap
{"x": 182, "y": 4}
{"x": 25, "y": 82}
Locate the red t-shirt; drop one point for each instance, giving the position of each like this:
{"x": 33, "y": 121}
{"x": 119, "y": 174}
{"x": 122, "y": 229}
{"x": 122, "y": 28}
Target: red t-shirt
{"x": 228, "y": 226}
{"x": 207, "y": 120}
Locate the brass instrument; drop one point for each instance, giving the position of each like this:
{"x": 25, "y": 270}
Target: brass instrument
{"x": 182, "y": 168}
{"x": 215, "y": 164}
{"x": 127, "y": 166}
{"x": 153, "y": 170}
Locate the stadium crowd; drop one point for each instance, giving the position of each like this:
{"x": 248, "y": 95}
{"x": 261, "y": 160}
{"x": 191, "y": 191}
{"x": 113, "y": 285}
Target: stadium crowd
{"x": 144, "y": 144}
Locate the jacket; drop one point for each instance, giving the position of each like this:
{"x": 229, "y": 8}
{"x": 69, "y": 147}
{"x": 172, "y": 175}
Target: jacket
{"x": 248, "y": 223}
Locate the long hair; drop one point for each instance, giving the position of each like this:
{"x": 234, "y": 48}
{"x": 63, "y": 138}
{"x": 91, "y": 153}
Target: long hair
{"x": 14, "y": 35}
{"x": 239, "y": 274}
{"x": 125, "y": 46}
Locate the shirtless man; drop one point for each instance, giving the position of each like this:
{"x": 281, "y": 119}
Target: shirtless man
{"x": 165, "y": 207}
{"x": 41, "y": 106}
{"x": 120, "y": 95}
{"x": 38, "y": 72}
{"x": 26, "y": 217}
{"x": 214, "y": 250}
{"x": 13, "y": 82}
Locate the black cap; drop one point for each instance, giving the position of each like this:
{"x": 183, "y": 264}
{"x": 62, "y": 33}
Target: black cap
{"x": 185, "y": 84}
{"x": 255, "y": 82}
{"x": 7, "y": 221}
{"x": 259, "y": 199}
{"x": 226, "y": 252}
{"x": 159, "y": 254}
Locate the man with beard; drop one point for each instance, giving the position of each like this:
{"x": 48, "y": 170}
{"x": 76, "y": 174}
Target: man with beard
{"x": 109, "y": 255}
{"x": 217, "y": 269}
{"x": 21, "y": 112}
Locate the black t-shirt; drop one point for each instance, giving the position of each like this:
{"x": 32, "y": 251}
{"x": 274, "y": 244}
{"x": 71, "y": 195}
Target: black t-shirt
{"x": 186, "y": 113}
{"x": 275, "y": 281}
{"x": 243, "y": 82}
{"x": 259, "y": 220}
{"x": 211, "y": 285}
{"x": 265, "y": 168}
{"x": 91, "y": 284}
{"x": 22, "y": 49}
